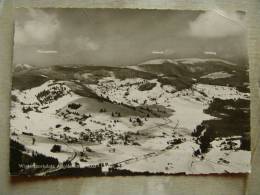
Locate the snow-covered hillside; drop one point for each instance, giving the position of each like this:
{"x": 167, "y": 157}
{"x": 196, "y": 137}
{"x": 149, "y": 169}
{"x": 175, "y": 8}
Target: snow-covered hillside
{"x": 22, "y": 67}
{"x": 188, "y": 104}
{"x": 199, "y": 60}
{"x": 45, "y": 94}
{"x": 157, "y": 61}
{"x": 134, "y": 123}
{"x": 217, "y": 75}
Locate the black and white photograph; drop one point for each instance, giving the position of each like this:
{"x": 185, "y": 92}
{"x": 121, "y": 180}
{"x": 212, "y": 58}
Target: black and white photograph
{"x": 108, "y": 92}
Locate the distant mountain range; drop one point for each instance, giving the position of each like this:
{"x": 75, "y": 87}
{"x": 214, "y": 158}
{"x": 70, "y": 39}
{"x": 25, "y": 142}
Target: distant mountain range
{"x": 181, "y": 73}
{"x": 185, "y": 60}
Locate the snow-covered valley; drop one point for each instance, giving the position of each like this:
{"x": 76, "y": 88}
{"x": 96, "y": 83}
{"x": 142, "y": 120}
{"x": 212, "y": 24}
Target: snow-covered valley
{"x": 137, "y": 124}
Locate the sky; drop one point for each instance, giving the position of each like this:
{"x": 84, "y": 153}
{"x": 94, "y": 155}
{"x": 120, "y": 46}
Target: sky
{"x": 121, "y": 37}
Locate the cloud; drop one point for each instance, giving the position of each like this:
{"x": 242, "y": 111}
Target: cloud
{"x": 212, "y": 24}
{"x": 40, "y": 28}
{"x": 157, "y": 52}
{"x": 210, "y": 53}
{"x": 47, "y": 51}
{"x": 163, "y": 52}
